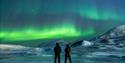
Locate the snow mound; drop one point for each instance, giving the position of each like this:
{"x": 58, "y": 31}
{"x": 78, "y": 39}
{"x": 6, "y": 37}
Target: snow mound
{"x": 86, "y": 43}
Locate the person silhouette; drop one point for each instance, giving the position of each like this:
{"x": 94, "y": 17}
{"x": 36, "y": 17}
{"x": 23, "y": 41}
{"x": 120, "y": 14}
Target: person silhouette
{"x": 57, "y": 51}
{"x": 67, "y": 53}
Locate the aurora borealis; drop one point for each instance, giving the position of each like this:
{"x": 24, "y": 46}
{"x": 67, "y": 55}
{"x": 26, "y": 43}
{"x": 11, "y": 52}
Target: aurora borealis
{"x": 45, "y": 33}
{"x": 22, "y": 20}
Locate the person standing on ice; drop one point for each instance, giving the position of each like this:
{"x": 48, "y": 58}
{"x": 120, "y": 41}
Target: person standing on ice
{"x": 67, "y": 53}
{"x": 57, "y": 51}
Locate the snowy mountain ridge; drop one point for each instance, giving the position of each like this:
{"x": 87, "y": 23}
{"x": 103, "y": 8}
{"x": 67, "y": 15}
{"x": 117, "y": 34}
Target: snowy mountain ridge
{"x": 115, "y": 32}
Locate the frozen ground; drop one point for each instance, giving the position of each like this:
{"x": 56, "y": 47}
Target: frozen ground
{"x": 99, "y": 56}
{"x": 75, "y": 59}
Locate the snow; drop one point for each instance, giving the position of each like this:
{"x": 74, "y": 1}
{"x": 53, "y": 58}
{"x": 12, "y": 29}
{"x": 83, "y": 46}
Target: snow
{"x": 118, "y": 31}
{"x": 11, "y": 49}
{"x": 86, "y": 43}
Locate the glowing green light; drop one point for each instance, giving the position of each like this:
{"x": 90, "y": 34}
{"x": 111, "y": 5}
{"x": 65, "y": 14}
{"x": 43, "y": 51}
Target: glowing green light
{"x": 58, "y": 31}
{"x": 45, "y": 33}
{"x": 98, "y": 13}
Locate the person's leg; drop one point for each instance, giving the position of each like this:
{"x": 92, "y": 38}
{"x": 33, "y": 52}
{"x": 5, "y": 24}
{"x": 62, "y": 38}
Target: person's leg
{"x": 55, "y": 58}
{"x": 70, "y": 58}
{"x": 65, "y": 58}
{"x": 59, "y": 59}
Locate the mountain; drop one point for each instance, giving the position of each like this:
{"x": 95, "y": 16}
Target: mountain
{"x": 114, "y": 36}
{"x": 115, "y": 32}
{"x": 9, "y": 49}
{"x": 84, "y": 43}
{"x": 110, "y": 44}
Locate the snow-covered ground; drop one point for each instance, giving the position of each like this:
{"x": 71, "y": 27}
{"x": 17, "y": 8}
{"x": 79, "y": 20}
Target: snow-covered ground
{"x": 105, "y": 54}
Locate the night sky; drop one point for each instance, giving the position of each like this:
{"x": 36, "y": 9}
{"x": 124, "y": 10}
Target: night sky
{"x": 22, "y": 20}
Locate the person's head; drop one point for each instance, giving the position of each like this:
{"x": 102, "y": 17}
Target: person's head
{"x": 57, "y": 44}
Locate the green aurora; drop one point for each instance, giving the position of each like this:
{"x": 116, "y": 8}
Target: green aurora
{"x": 94, "y": 14}
{"x": 45, "y": 33}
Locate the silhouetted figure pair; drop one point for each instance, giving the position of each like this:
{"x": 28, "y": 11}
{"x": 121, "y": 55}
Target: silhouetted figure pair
{"x": 57, "y": 50}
